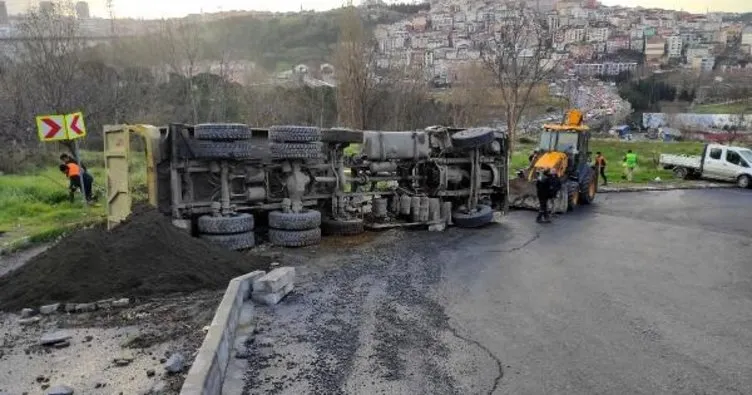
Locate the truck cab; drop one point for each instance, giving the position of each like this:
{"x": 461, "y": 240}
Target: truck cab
{"x": 727, "y": 163}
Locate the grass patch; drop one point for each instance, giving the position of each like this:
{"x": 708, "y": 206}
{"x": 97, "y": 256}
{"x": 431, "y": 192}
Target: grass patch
{"x": 744, "y": 106}
{"x": 648, "y": 153}
{"x": 35, "y": 206}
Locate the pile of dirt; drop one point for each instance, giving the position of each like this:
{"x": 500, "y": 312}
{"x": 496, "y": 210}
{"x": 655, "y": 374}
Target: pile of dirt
{"x": 144, "y": 256}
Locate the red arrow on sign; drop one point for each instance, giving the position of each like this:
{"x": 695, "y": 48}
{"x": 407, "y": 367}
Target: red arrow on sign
{"x": 54, "y": 128}
{"x": 74, "y": 125}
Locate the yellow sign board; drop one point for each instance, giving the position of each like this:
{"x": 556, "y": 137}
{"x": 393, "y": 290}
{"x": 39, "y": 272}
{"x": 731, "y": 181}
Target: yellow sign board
{"x": 61, "y": 127}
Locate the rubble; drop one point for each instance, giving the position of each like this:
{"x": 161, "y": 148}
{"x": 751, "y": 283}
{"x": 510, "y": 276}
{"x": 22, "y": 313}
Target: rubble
{"x": 54, "y": 337}
{"x": 26, "y": 313}
{"x": 29, "y": 321}
{"x": 49, "y": 309}
{"x": 60, "y": 390}
{"x": 175, "y": 364}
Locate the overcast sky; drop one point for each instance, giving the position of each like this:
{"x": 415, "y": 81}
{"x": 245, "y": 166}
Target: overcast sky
{"x": 172, "y": 8}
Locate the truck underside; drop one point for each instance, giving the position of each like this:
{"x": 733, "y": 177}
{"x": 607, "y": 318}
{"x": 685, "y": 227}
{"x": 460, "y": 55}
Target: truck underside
{"x": 299, "y": 179}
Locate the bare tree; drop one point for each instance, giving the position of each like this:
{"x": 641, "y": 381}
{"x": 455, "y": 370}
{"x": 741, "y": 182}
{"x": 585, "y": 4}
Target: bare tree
{"x": 469, "y": 97}
{"x": 519, "y": 58}
{"x": 181, "y": 43}
{"x": 355, "y": 68}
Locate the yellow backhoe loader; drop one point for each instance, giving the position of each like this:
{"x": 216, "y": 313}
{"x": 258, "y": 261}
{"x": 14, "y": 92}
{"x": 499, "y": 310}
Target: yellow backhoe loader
{"x": 564, "y": 147}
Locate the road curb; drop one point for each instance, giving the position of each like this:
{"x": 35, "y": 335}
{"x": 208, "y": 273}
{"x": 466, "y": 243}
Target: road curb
{"x": 653, "y": 188}
{"x": 207, "y": 373}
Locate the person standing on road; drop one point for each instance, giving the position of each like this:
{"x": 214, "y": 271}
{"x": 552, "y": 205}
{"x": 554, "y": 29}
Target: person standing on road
{"x": 547, "y": 186}
{"x": 630, "y": 162}
{"x": 600, "y": 167}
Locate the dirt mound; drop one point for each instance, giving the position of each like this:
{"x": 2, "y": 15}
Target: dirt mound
{"x": 144, "y": 256}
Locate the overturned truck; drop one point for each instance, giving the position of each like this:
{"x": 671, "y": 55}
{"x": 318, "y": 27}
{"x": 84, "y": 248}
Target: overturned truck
{"x": 219, "y": 180}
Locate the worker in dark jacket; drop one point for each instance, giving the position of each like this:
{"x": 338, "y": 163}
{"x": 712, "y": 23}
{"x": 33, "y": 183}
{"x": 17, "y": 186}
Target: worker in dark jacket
{"x": 547, "y": 186}
{"x": 75, "y": 173}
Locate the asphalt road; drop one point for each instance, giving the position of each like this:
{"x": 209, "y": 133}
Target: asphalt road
{"x": 643, "y": 293}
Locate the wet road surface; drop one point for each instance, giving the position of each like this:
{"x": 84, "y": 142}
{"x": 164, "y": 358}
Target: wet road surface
{"x": 643, "y": 293}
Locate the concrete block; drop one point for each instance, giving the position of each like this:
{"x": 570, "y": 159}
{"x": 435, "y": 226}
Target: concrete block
{"x": 272, "y": 298}
{"x": 105, "y": 303}
{"x": 247, "y": 281}
{"x": 70, "y": 307}
{"x": 49, "y": 309}
{"x": 437, "y": 227}
{"x": 26, "y": 313}
{"x": 121, "y": 302}
{"x": 29, "y": 321}
{"x": 84, "y": 307}
{"x": 275, "y": 280}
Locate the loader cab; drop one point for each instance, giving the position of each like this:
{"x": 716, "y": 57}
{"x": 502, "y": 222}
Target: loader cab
{"x": 569, "y": 139}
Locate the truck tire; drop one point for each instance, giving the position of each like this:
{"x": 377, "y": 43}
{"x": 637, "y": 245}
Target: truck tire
{"x": 482, "y": 215}
{"x": 295, "y": 238}
{"x": 573, "y": 195}
{"x": 681, "y": 172}
{"x": 339, "y": 135}
{"x": 744, "y": 181}
{"x": 294, "y": 134}
{"x": 240, "y": 223}
{"x": 345, "y": 227}
{"x": 237, "y": 150}
{"x": 222, "y": 131}
{"x": 472, "y": 138}
{"x": 296, "y": 150}
{"x": 309, "y": 219}
{"x": 238, "y": 241}
{"x": 588, "y": 187}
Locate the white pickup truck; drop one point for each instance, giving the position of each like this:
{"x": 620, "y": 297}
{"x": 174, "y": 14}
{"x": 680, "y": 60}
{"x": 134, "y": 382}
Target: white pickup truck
{"x": 717, "y": 162}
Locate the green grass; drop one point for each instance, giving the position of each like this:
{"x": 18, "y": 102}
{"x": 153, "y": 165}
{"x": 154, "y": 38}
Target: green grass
{"x": 742, "y": 107}
{"x": 647, "y": 152}
{"x": 36, "y": 207}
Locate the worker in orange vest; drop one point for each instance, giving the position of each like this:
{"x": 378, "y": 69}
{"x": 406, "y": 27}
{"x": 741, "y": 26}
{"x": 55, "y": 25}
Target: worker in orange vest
{"x": 600, "y": 167}
{"x": 75, "y": 171}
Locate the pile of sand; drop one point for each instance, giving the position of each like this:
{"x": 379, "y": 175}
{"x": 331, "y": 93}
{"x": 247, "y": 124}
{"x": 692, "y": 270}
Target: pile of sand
{"x": 144, "y": 256}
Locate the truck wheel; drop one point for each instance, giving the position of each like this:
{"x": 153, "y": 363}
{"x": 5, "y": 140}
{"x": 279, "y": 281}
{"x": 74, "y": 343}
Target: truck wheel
{"x": 588, "y": 187}
{"x": 295, "y": 238}
{"x": 294, "y": 134}
{"x": 482, "y": 215}
{"x": 339, "y": 135}
{"x": 225, "y": 225}
{"x": 472, "y": 138}
{"x": 680, "y": 172}
{"x": 222, "y": 131}
{"x": 573, "y": 195}
{"x": 296, "y": 150}
{"x": 309, "y": 219}
{"x": 236, "y": 150}
{"x": 744, "y": 181}
{"x": 342, "y": 227}
{"x": 238, "y": 241}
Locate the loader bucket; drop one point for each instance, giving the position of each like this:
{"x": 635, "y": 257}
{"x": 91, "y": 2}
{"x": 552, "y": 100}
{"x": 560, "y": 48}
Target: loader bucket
{"x": 523, "y": 195}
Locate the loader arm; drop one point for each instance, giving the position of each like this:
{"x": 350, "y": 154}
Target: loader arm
{"x": 116, "y": 153}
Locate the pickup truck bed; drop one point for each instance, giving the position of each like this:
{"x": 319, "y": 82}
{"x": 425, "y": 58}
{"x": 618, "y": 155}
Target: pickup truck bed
{"x": 669, "y": 161}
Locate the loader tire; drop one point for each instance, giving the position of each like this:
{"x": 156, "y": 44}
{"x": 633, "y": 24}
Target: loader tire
{"x": 294, "y": 134}
{"x": 309, "y": 219}
{"x": 240, "y": 223}
{"x": 345, "y": 227}
{"x": 235, "y": 242}
{"x": 222, "y": 131}
{"x": 473, "y": 138}
{"x": 295, "y": 238}
{"x": 236, "y": 150}
{"x": 296, "y": 150}
{"x": 339, "y": 135}
{"x": 573, "y": 195}
{"x": 588, "y": 187}
{"x": 482, "y": 215}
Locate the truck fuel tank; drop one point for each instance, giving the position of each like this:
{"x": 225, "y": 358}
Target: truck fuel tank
{"x": 383, "y": 146}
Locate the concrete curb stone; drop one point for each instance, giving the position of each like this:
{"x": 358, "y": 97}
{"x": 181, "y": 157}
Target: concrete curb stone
{"x": 666, "y": 187}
